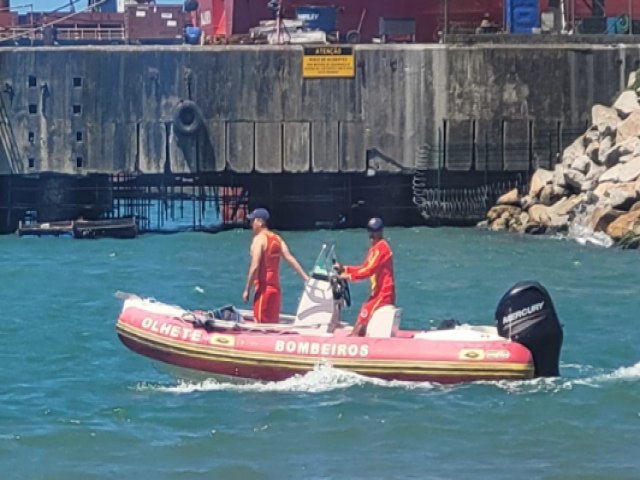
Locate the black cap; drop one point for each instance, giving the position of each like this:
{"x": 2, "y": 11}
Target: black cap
{"x": 375, "y": 224}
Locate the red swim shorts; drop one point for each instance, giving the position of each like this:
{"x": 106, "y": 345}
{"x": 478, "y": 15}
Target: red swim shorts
{"x": 266, "y": 305}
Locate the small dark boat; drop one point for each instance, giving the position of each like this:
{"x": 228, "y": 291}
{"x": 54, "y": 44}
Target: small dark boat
{"x": 112, "y": 228}
{"x": 46, "y": 229}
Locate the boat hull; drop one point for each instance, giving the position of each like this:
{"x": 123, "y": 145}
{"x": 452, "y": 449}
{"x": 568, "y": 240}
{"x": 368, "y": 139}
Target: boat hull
{"x": 280, "y": 354}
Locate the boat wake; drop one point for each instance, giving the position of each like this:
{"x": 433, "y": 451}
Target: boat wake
{"x": 592, "y": 379}
{"x": 325, "y": 378}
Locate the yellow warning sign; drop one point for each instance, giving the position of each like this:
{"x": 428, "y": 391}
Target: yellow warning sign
{"x": 328, "y": 62}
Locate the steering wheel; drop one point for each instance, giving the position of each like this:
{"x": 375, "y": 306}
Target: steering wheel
{"x": 341, "y": 290}
{"x": 346, "y": 293}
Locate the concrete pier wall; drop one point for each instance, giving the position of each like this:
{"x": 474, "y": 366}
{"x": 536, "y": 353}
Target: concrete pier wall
{"x": 111, "y": 109}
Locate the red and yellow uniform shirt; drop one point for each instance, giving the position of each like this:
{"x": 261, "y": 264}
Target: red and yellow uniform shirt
{"x": 378, "y": 267}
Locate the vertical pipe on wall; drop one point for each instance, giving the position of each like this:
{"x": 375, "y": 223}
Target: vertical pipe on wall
{"x": 446, "y": 16}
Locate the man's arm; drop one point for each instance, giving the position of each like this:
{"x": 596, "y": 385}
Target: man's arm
{"x": 365, "y": 270}
{"x": 291, "y": 260}
{"x": 257, "y": 246}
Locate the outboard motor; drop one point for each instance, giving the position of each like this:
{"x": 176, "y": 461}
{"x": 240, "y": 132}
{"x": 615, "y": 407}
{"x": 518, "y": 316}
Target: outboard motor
{"x": 526, "y": 315}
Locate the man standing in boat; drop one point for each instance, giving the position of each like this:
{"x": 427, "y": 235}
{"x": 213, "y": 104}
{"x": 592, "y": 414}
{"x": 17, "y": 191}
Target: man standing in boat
{"x": 378, "y": 268}
{"x": 264, "y": 271}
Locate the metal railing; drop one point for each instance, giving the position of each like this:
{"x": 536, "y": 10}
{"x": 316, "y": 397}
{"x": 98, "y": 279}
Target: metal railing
{"x": 77, "y": 34}
{"x": 99, "y": 33}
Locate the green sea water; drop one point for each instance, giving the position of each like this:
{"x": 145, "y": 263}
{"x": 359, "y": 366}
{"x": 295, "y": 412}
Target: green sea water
{"x": 76, "y": 404}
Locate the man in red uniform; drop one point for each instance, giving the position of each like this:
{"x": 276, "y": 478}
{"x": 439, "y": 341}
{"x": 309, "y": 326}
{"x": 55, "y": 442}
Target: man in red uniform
{"x": 378, "y": 267}
{"x": 264, "y": 271}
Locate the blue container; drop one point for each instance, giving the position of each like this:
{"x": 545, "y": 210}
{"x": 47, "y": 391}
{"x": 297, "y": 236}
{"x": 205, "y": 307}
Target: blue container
{"x": 318, "y": 18}
{"x": 107, "y": 6}
{"x": 611, "y": 25}
{"x": 522, "y": 16}
{"x": 192, "y": 35}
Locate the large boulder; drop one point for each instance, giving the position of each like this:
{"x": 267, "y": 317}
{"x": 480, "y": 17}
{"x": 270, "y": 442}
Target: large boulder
{"x": 498, "y": 225}
{"x": 626, "y": 103}
{"x": 611, "y": 175}
{"x": 606, "y": 144}
{"x": 595, "y": 171}
{"x": 527, "y": 201}
{"x": 614, "y": 154}
{"x": 539, "y": 214}
{"x": 592, "y": 152}
{"x": 601, "y": 190}
{"x": 624, "y": 224}
{"x": 566, "y": 205}
{"x": 572, "y": 151}
{"x": 622, "y": 172}
{"x": 622, "y": 195}
{"x": 558, "y": 175}
{"x": 510, "y": 198}
{"x": 629, "y": 128}
{"x": 575, "y": 179}
{"x": 499, "y": 211}
{"x": 593, "y": 136}
{"x": 550, "y": 194}
{"x": 602, "y": 217}
{"x": 582, "y": 163}
{"x": 540, "y": 178}
{"x": 546, "y": 217}
{"x": 605, "y": 119}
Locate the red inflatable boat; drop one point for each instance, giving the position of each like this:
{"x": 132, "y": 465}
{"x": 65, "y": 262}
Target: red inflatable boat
{"x": 525, "y": 342}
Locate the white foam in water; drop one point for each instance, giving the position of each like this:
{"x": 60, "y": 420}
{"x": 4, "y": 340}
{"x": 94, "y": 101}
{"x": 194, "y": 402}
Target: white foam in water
{"x": 323, "y": 378}
{"x": 558, "y": 384}
{"x": 585, "y": 236}
{"x": 622, "y": 373}
{"x": 581, "y": 232}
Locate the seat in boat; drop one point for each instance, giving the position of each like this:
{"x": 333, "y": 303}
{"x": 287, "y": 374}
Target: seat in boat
{"x": 385, "y": 322}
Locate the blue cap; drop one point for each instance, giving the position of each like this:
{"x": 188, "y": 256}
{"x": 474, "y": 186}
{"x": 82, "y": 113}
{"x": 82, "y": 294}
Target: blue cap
{"x": 375, "y": 224}
{"x": 261, "y": 213}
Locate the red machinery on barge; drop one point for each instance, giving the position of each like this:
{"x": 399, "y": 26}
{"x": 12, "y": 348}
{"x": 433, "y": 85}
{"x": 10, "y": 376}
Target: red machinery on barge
{"x": 114, "y": 21}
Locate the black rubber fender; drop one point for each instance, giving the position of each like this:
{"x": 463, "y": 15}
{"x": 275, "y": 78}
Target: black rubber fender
{"x": 187, "y": 119}
{"x": 352, "y": 36}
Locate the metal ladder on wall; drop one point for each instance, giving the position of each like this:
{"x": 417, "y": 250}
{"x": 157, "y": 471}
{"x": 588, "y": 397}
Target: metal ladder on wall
{"x": 8, "y": 140}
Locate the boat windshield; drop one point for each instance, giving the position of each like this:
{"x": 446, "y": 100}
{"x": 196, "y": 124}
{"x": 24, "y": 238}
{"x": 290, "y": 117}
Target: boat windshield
{"x": 324, "y": 262}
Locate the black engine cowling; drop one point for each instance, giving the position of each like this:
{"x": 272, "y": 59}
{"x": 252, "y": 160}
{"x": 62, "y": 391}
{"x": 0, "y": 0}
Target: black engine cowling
{"x": 526, "y": 315}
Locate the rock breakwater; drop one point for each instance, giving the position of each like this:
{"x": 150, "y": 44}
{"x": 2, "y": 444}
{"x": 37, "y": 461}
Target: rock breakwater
{"x": 595, "y": 186}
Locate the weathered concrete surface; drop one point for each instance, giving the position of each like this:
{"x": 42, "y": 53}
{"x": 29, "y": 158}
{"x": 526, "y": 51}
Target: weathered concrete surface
{"x": 111, "y": 109}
